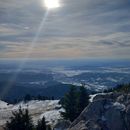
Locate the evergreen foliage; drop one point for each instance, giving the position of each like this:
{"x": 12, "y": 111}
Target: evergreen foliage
{"x": 41, "y": 125}
{"x": 29, "y": 97}
{"x": 83, "y": 99}
{"x": 49, "y": 127}
{"x": 69, "y": 103}
{"x": 20, "y": 120}
{"x": 74, "y": 102}
{"x": 125, "y": 88}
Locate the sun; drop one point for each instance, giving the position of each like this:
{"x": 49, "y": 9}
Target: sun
{"x": 50, "y": 4}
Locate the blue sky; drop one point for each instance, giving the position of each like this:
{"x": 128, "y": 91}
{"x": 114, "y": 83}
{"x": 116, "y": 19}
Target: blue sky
{"x": 78, "y": 29}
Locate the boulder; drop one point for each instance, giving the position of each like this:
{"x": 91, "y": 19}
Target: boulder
{"x": 106, "y": 112}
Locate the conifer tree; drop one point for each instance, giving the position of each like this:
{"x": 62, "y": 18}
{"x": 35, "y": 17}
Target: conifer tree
{"x": 19, "y": 121}
{"x": 69, "y": 103}
{"x": 49, "y": 127}
{"x": 41, "y": 125}
{"x": 83, "y": 99}
{"x": 74, "y": 102}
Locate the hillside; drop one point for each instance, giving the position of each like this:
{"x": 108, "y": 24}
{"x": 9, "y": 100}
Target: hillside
{"x": 50, "y": 109}
{"x": 106, "y": 111}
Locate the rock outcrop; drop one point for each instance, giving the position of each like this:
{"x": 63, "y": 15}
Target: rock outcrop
{"x": 106, "y": 112}
{"x": 62, "y": 125}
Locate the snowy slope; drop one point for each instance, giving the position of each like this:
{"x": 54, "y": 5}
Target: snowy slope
{"x": 50, "y": 109}
{"x": 3, "y": 105}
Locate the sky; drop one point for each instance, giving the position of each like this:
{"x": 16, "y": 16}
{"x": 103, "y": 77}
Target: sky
{"x": 77, "y": 29}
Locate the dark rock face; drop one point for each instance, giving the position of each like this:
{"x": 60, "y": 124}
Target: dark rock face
{"x": 62, "y": 125}
{"x": 106, "y": 112}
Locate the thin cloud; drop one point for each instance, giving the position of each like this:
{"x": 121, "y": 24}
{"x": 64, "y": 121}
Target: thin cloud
{"x": 82, "y": 28}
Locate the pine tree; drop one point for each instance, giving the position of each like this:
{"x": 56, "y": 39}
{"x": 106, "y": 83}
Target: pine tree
{"x": 74, "y": 102}
{"x": 20, "y": 121}
{"x": 69, "y": 103}
{"x": 41, "y": 125}
{"x": 28, "y": 120}
{"x": 49, "y": 127}
{"x": 83, "y": 99}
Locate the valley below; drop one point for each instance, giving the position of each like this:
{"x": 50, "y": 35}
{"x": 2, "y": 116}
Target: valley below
{"x": 43, "y": 78}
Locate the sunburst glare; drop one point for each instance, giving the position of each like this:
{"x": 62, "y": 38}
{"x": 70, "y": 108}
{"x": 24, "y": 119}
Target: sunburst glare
{"x": 50, "y": 4}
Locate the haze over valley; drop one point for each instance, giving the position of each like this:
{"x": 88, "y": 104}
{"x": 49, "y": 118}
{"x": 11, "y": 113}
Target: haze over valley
{"x": 42, "y": 77}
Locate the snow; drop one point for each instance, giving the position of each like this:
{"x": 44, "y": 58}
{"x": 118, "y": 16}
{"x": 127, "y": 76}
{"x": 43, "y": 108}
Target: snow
{"x": 3, "y": 105}
{"x": 37, "y": 109}
{"x": 112, "y": 79}
{"x": 119, "y": 106}
{"x": 70, "y": 73}
{"x": 52, "y": 116}
{"x": 94, "y": 95}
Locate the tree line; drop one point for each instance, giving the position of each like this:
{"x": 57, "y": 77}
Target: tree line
{"x": 125, "y": 88}
{"x": 29, "y": 97}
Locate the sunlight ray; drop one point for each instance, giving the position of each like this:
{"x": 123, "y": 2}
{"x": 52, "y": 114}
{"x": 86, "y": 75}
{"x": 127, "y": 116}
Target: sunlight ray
{"x": 25, "y": 59}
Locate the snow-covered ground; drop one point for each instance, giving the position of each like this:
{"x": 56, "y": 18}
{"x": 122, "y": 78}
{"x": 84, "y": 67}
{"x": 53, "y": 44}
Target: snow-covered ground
{"x": 94, "y": 95}
{"x": 50, "y": 109}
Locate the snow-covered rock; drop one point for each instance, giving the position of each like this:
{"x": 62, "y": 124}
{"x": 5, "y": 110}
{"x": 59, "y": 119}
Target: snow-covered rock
{"x": 94, "y": 95}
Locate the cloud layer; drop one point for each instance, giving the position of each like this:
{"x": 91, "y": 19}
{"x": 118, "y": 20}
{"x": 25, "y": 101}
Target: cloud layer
{"x": 78, "y": 29}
